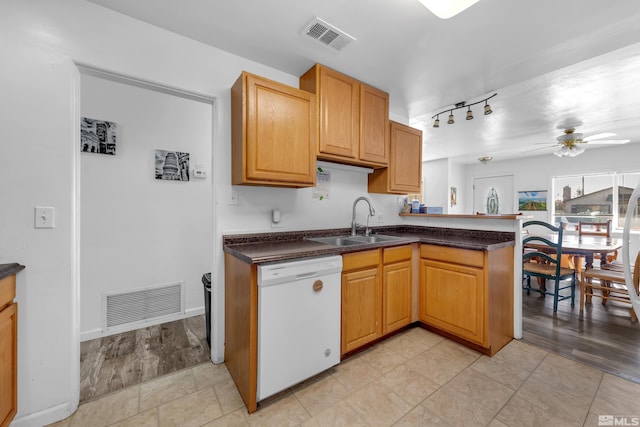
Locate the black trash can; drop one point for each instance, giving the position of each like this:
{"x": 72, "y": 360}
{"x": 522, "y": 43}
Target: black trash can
{"x": 206, "y": 281}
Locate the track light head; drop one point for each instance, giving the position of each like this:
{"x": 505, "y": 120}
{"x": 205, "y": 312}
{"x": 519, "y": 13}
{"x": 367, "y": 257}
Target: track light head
{"x": 487, "y": 108}
{"x": 469, "y": 114}
{"x": 451, "y": 121}
{"x": 436, "y": 123}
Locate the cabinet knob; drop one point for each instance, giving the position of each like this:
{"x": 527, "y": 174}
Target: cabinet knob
{"x": 318, "y": 285}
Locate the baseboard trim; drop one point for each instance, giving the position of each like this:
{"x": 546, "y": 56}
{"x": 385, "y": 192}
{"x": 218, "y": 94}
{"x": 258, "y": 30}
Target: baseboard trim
{"x": 46, "y": 416}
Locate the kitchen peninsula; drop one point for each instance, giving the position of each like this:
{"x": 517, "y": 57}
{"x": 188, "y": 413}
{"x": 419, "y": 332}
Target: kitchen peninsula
{"x": 455, "y": 282}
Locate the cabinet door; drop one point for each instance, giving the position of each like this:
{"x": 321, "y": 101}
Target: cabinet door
{"x": 405, "y": 162}
{"x": 361, "y": 308}
{"x": 274, "y": 134}
{"x": 8, "y": 363}
{"x": 374, "y": 128}
{"x": 339, "y": 114}
{"x": 452, "y": 299}
{"x": 396, "y": 296}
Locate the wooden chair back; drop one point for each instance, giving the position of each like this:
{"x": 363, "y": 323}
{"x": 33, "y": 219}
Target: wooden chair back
{"x": 544, "y": 262}
{"x": 586, "y": 228}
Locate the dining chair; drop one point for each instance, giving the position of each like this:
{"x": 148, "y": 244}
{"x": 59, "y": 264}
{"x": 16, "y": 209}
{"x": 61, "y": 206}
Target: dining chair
{"x": 611, "y": 282}
{"x": 587, "y": 228}
{"x": 545, "y": 262}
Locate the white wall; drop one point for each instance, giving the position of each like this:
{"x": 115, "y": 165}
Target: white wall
{"x": 136, "y": 231}
{"x": 435, "y": 183}
{"x": 536, "y": 173}
{"x": 40, "y": 43}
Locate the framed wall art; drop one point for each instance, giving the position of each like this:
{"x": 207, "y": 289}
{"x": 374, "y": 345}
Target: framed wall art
{"x": 172, "y": 165}
{"x": 97, "y": 136}
{"x": 532, "y": 200}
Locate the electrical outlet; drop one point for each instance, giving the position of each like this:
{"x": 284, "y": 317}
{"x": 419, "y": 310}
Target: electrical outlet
{"x": 233, "y": 197}
{"x": 379, "y": 218}
{"x": 43, "y": 217}
{"x": 276, "y": 219}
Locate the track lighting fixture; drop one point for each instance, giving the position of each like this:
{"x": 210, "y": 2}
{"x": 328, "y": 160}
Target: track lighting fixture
{"x": 487, "y": 111}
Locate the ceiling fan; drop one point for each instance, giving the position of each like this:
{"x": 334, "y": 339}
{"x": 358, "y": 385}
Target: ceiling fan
{"x": 571, "y": 143}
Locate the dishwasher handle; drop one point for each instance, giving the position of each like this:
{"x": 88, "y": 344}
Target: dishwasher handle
{"x": 306, "y": 275}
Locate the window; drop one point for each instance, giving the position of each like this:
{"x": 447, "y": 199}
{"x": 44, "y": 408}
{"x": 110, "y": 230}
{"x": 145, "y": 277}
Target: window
{"x": 594, "y": 198}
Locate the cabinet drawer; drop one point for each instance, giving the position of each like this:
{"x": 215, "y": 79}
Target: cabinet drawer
{"x": 400, "y": 253}
{"x": 453, "y": 255}
{"x": 359, "y": 260}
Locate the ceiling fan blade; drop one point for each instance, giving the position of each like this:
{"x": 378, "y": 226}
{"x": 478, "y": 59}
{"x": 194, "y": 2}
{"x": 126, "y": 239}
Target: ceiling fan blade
{"x": 608, "y": 141}
{"x": 599, "y": 136}
{"x": 539, "y": 148}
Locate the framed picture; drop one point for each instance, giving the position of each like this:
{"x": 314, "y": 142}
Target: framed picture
{"x": 532, "y": 200}
{"x": 172, "y": 165}
{"x": 97, "y": 136}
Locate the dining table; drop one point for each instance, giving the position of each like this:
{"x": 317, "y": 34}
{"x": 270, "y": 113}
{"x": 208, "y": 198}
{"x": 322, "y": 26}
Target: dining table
{"x": 586, "y": 246}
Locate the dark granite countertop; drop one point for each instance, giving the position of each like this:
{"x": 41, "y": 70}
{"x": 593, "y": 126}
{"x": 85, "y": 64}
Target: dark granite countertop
{"x": 270, "y": 247}
{"x": 7, "y": 270}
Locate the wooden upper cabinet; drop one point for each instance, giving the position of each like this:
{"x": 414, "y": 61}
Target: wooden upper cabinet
{"x": 404, "y": 174}
{"x": 274, "y": 133}
{"x": 374, "y": 125}
{"x": 353, "y": 118}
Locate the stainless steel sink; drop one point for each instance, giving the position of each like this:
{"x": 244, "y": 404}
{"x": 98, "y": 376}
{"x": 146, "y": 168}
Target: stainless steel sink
{"x": 375, "y": 238}
{"x": 353, "y": 240}
{"x": 336, "y": 240}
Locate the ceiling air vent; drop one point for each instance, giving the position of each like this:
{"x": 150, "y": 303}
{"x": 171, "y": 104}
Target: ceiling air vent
{"x": 327, "y": 34}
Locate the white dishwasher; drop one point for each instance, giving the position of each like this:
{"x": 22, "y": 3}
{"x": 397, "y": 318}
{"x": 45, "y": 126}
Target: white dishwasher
{"x": 298, "y": 321}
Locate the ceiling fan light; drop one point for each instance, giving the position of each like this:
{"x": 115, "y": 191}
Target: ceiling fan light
{"x": 451, "y": 121}
{"x": 487, "y": 109}
{"x": 469, "y": 114}
{"x": 436, "y": 123}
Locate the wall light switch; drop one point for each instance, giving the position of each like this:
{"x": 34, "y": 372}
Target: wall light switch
{"x": 43, "y": 217}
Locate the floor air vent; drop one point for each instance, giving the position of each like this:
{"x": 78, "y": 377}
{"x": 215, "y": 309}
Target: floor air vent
{"x": 327, "y": 34}
{"x": 142, "y": 304}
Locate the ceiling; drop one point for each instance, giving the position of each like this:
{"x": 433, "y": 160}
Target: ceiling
{"x": 553, "y": 63}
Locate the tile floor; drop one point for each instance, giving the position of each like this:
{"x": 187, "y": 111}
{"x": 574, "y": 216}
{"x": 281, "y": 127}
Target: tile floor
{"x": 416, "y": 378}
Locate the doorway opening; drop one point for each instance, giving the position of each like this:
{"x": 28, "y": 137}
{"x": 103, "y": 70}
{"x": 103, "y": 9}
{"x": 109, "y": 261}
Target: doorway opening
{"x": 146, "y": 222}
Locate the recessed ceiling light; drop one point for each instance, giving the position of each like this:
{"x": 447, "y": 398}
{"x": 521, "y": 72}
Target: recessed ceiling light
{"x": 445, "y": 9}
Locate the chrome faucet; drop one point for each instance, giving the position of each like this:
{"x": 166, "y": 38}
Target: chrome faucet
{"x": 372, "y": 212}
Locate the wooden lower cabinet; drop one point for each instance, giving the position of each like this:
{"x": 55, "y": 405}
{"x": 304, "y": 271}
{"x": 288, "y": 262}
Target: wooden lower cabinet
{"x": 376, "y": 295}
{"x": 468, "y": 294}
{"x": 241, "y": 327}
{"x": 361, "y": 299}
{"x": 396, "y": 288}
{"x": 8, "y": 351}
